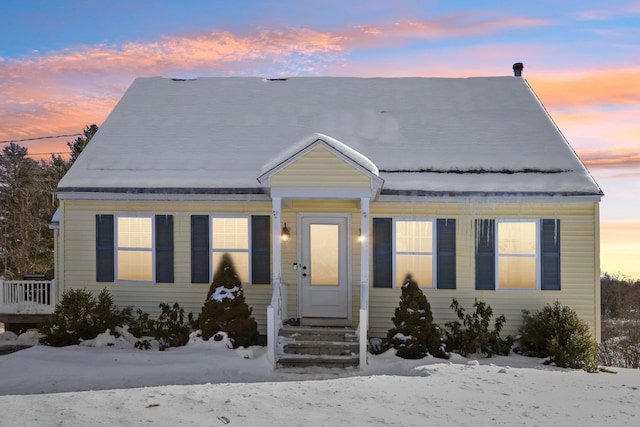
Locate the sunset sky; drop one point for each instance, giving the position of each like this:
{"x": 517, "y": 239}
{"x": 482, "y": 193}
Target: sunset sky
{"x": 64, "y": 64}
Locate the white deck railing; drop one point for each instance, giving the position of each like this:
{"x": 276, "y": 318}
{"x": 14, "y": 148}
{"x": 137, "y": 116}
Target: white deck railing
{"x": 276, "y": 313}
{"x": 27, "y": 297}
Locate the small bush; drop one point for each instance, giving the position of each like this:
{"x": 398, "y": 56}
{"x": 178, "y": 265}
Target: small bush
{"x": 225, "y": 309}
{"x": 414, "y": 335}
{"x": 170, "y": 329}
{"x": 80, "y": 316}
{"x": 473, "y": 334}
{"x": 559, "y": 334}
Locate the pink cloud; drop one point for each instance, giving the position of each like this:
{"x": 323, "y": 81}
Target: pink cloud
{"x": 589, "y": 88}
{"x": 604, "y": 14}
{"x": 615, "y": 158}
{"x": 449, "y": 27}
{"x": 65, "y": 91}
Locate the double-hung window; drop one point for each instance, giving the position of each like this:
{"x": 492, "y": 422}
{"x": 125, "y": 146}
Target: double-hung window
{"x": 134, "y": 248}
{"x": 231, "y": 235}
{"x": 137, "y": 248}
{"x": 422, "y": 247}
{"x": 517, "y": 248}
{"x": 414, "y": 251}
{"x": 518, "y": 254}
{"x": 246, "y": 239}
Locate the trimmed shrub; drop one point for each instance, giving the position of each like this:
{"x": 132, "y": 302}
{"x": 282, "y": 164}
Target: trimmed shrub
{"x": 80, "y": 316}
{"x": 473, "y": 334}
{"x": 556, "y": 332}
{"x": 225, "y": 309}
{"x": 414, "y": 335}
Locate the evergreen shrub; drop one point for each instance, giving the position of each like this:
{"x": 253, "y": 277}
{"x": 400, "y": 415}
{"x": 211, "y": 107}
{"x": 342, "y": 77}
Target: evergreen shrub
{"x": 225, "y": 308}
{"x": 414, "y": 334}
{"x": 81, "y": 316}
{"x": 557, "y": 333}
{"x": 473, "y": 334}
{"x": 170, "y": 329}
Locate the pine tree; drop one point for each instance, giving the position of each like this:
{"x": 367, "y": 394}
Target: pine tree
{"x": 414, "y": 335}
{"x": 225, "y": 309}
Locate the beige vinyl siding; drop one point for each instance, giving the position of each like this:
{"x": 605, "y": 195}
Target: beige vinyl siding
{"x": 320, "y": 168}
{"x": 579, "y": 276}
{"x": 579, "y": 267}
{"x": 78, "y": 227}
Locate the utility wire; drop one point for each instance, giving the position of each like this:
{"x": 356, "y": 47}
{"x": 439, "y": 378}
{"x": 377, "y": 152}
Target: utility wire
{"x": 40, "y": 137}
{"x": 43, "y": 154}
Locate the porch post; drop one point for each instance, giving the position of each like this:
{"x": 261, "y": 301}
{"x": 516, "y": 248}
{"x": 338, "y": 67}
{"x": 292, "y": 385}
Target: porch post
{"x": 364, "y": 279}
{"x": 276, "y": 207}
{"x": 274, "y": 311}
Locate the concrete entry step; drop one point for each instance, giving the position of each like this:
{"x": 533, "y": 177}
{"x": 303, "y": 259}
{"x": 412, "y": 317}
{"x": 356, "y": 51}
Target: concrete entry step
{"x": 310, "y": 346}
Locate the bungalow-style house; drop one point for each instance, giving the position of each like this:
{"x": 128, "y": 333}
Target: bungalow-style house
{"x": 327, "y": 192}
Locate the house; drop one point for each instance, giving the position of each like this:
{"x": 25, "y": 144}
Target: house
{"x": 327, "y": 191}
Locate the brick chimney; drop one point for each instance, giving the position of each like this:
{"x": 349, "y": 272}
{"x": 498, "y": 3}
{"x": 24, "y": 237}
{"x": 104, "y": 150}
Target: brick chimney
{"x": 517, "y": 69}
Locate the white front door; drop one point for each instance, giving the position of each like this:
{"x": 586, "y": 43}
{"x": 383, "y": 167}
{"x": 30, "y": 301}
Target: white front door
{"x": 324, "y": 271}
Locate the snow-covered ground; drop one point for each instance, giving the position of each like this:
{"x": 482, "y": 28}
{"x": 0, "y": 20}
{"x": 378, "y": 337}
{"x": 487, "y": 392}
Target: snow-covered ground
{"x": 207, "y": 384}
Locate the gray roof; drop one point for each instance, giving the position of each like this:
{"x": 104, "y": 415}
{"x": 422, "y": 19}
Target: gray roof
{"x": 425, "y": 135}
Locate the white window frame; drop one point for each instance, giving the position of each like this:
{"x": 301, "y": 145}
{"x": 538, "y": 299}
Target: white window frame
{"x": 212, "y": 250}
{"x": 116, "y": 247}
{"x": 433, "y": 253}
{"x": 537, "y": 254}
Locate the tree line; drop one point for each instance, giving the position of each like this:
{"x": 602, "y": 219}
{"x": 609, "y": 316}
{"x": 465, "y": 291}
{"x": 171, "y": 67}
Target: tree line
{"x": 27, "y": 206}
{"x": 620, "y": 297}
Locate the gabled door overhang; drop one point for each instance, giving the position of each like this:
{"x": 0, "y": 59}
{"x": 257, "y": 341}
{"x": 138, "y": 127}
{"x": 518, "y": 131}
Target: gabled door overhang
{"x": 319, "y": 167}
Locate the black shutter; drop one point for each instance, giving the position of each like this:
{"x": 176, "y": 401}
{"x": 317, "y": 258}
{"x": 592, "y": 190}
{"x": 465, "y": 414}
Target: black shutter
{"x": 104, "y": 248}
{"x": 164, "y": 248}
{"x": 446, "y": 253}
{"x": 382, "y": 253}
{"x": 200, "y": 249}
{"x": 485, "y": 254}
{"x": 550, "y": 262}
{"x": 260, "y": 249}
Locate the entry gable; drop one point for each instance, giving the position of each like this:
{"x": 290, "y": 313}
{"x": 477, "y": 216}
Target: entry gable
{"x": 321, "y": 162}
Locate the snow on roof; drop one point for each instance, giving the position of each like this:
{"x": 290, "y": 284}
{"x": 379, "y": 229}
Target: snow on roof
{"x": 222, "y": 132}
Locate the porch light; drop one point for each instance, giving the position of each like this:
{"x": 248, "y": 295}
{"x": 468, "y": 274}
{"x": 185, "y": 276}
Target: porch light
{"x": 360, "y": 236}
{"x": 285, "y": 233}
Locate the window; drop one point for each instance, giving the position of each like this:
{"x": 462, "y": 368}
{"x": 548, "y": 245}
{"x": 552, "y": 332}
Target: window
{"x": 424, "y": 248}
{"x": 134, "y": 248}
{"x": 518, "y": 254}
{"x": 231, "y": 235}
{"x": 413, "y": 249}
{"x": 247, "y": 239}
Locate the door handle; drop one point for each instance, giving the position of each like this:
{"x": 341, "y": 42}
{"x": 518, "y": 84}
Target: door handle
{"x": 304, "y": 267}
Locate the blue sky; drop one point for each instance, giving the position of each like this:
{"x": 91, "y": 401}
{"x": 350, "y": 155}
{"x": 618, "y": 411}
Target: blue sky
{"x": 64, "y": 64}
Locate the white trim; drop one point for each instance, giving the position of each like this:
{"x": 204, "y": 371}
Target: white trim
{"x": 488, "y": 200}
{"x": 537, "y": 255}
{"x": 171, "y": 197}
{"x": 433, "y": 253}
{"x": 297, "y": 192}
{"x": 321, "y": 193}
{"x": 349, "y": 261}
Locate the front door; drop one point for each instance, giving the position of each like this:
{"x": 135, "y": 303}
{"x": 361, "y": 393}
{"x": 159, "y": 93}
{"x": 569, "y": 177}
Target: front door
{"x": 324, "y": 272}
